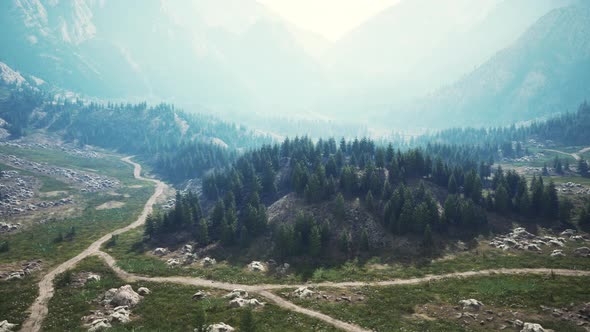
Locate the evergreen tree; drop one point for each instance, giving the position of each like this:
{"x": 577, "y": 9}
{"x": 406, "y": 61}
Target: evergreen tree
{"x": 203, "y": 233}
{"x": 200, "y": 319}
{"x": 502, "y": 201}
{"x": 452, "y": 187}
{"x": 583, "y": 167}
{"x": 565, "y": 210}
{"x": 369, "y": 201}
{"x": 340, "y": 207}
{"x": 247, "y": 322}
{"x": 427, "y": 239}
{"x": 315, "y": 241}
{"x": 364, "y": 240}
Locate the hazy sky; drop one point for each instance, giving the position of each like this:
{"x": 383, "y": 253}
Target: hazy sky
{"x": 330, "y": 18}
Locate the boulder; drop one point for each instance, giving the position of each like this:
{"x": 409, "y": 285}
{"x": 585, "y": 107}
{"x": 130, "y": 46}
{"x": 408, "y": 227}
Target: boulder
{"x": 256, "y": 266}
{"x": 239, "y": 302}
{"x": 5, "y": 326}
{"x": 172, "y": 262}
{"x": 17, "y": 275}
{"x": 121, "y": 314}
{"x": 200, "y": 295}
{"x": 220, "y": 327}
{"x": 471, "y": 304}
{"x": 532, "y": 327}
{"x": 236, "y": 293}
{"x": 533, "y": 247}
{"x": 208, "y": 261}
{"x": 521, "y": 233}
{"x": 582, "y": 251}
{"x": 93, "y": 277}
{"x": 160, "y": 251}
{"x": 557, "y": 253}
{"x": 568, "y": 232}
{"x": 556, "y": 243}
{"x": 99, "y": 325}
{"x": 187, "y": 249}
{"x": 143, "y": 291}
{"x": 122, "y": 296}
{"x": 303, "y": 292}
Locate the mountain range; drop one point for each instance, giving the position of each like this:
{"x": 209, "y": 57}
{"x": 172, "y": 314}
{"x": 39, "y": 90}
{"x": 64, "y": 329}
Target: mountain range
{"x": 502, "y": 59}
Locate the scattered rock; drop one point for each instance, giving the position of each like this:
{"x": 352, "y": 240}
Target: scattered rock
{"x": 219, "y": 327}
{"x": 236, "y": 293}
{"x": 160, "y": 251}
{"x": 200, "y": 295}
{"x": 172, "y": 262}
{"x": 471, "y": 304}
{"x": 93, "y": 277}
{"x": 121, "y": 314}
{"x": 99, "y": 325}
{"x": 557, "y": 253}
{"x": 5, "y": 326}
{"x": 303, "y": 292}
{"x": 239, "y": 302}
{"x": 568, "y": 232}
{"x": 256, "y": 266}
{"x": 143, "y": 291}
{"x": 208, "y": 261}
{"x": 532, "y": 327}
{"x": 122, "y": 296}
{"x": 582, "y": 251}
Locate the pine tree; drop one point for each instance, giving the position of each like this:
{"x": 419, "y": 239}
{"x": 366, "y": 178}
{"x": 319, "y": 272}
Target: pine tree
{"x": 369, "y": 201}
{"x": 364, "y": 240}
{"x": 453, "y": 188}
{"x": 203, "y": 232}
{"x": 582, "y": 167}
{"x": 247, "y": 322}
{"x": 427, "y": 240}
{"x": 565, "y": 210}
{"x": 315, "y": 241}
{"x": 340, "y": 208}
{"x": 200, "y": 319}
{"x": 502, "y": 202}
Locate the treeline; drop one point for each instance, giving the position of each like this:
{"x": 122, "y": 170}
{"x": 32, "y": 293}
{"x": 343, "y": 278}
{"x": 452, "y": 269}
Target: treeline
{"x": 567, "y": 129}
{"x": 179, "y": 145}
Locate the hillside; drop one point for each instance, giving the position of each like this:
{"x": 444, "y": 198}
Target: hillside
{"x": 540, "y": 74}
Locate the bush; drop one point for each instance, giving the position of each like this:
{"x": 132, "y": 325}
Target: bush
{"x": 4, "y": 247}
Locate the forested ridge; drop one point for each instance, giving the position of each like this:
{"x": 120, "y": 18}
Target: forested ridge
{"x": 178, "y": 144}
{"x": 394, "y": 186}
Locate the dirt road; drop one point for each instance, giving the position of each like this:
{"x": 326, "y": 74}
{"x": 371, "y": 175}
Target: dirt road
{"x": 39, "y": 308}
{"x": 575, "y": 155}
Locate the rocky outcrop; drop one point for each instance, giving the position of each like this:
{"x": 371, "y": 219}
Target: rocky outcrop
{"x": 220, "y": 327}
{"x": 532, "y": 327}
{"x": 239, "y": 302}
{"x": 236, "y": 293}
{"x": 471, "y": 304}
{"x": 93, "y": 277}
{"x": 557, "y": 253}
{"x": 303, "y": 292}
{"x": 160, "y": 251}
{"x": 256, "y": 266}
{"x": 122, "y": 296}
{"x": 582, "y": 251}
{"x": 208, "y": 261}
{"x": 143, "y": 291}
{"x": 200, "y": 295}
{"x": 5, "y": 326}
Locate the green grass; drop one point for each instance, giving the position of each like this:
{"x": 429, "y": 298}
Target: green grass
{"x": 38, "y": 242}
{"x": 131, "y": 256}
{"x": 48, "y": 183}
{"x": 108, "y": 165}
{"x": 15, "y": 298}
{"x": 388, "y": 308}
{"x": 168, "y": 308}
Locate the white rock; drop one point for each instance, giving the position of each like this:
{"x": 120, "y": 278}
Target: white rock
{"x": 143, "y": 291}
{"x": 557, "y": 253}
{"x": 200, "y": 295}
{"x": 568, "y": 232}
{"x": 236, "y": 293}
{"x": 471, "y": 304}
{"x": 172, "y": 262}
{"x": 239, "y": 302}
{"x": 93, "y": 277}
{"x": 256, "y": 266}
{"x": 122, "y": 296}
{"x": 160, "y": 251}
{"x": 208, "y": 261}
{"x": 99, "y": 325}
{"x": 533, "y": 247}
{"x": 582, "y": 251}
{"x": 556, "y": 243}
{"x": 5, "y": 326}
{"x": 220, "y": 327}
{"x": 532, "y": 327}
{"x": 303, "y": 292}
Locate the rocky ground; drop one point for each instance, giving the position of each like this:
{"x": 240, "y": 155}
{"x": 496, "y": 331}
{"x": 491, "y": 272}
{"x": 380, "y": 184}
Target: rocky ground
{"x": 88, "y": 182}
{"x": 10, "y": 272}
{"x": 520, "y": 239}
{"x": 19, "y": 194}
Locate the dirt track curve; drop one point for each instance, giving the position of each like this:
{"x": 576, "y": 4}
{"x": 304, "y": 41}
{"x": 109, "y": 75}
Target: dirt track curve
{"x": 39, "y": 308}
{"x": 575, "y": 155}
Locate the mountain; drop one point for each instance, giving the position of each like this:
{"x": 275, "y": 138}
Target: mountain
{"x": 182, "y": 51}
{"x": 415, "y": 46}
{"x": 542, "y": 73}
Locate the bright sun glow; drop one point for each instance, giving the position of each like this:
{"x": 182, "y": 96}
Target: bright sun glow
{"x": 329, "y": 18}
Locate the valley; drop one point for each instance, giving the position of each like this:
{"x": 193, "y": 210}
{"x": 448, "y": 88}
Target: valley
{"x": 256, "y": 165}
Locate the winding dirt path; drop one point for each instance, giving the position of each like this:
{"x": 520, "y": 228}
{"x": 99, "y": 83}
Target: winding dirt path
{"x": 575, "y": 155}
{"x": 39, "y": 308}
